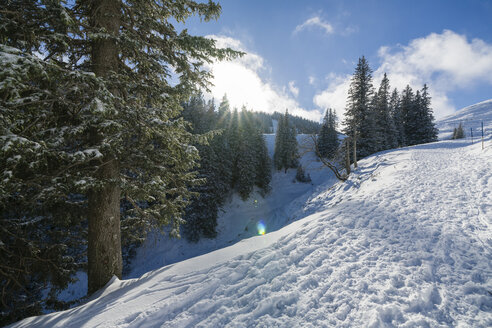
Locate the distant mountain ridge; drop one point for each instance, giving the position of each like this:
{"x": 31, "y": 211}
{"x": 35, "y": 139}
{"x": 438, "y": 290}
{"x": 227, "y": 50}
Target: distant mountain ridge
{"x": 471, "y": 117}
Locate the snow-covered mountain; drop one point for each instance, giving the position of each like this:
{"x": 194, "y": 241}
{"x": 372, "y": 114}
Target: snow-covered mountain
{"x": 470, "y": 117}
{"x": 406, "y": 241}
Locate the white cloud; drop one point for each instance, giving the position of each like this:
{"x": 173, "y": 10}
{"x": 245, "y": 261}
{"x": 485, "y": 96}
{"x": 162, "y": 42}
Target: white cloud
{"x": 240, "y": 80}
{"x": 335, "y": 95}
{"x": 315, "y": 21}
{"x": 312, "y": 80}
{"x": 447, "y": 62}
{"x": 293, "y": 89}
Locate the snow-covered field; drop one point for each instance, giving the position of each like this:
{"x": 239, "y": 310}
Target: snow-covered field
{"x": 406, "y": 241}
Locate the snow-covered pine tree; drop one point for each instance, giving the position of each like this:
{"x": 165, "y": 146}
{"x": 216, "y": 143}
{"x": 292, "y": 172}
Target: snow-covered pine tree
{"x": 359, "y": 116}
{"x": 93, "y": 112}
{"x": 328, "y": 136}
{"x": 385, "y": 125}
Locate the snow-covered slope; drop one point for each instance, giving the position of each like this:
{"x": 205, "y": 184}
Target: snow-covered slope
{"x": 406, "y": 241}
{"x": 471, "y": 117}
{"x": 238, "y": 219}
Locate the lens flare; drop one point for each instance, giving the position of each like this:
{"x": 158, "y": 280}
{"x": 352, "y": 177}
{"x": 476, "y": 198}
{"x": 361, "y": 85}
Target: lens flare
{"x": 261, "y": 227}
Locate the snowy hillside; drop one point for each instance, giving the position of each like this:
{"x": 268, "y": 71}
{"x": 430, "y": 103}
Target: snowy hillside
{"x": 470, "y": 117}
{"x": 239, "y": 219}
{"x": 407, "y": 241}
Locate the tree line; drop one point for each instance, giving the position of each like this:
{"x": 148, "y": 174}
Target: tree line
{"x": 234, "y": 160}
{"x": 378, "y": 120}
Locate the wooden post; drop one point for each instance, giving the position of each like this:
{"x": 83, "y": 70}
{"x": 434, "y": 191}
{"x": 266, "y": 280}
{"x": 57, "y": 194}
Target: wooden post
{"x": 355, "y": 149}
{"x": 347, "y": 155}
{"x": 482, "y": 137}
{"x": 471, "y": 134}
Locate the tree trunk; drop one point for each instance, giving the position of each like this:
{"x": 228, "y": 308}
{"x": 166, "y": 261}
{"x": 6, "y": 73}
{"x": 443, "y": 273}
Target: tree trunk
{"x": 104, "y": 244}
{"x": 355, "y": 149}
{"x": 104, "y": 240}
{"x": 347, "y": 156}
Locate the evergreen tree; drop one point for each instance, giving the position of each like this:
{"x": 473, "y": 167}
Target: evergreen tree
{"x": 429, "y": 131}
{"x": 97, "y": 116}
{"x": 359, "y": 122}
{"x": 247, "y": 160}
{"x": 328, "y": 136}
{"x": 264, "y": 166}
{"x": 396, "y": 114}
{"x": 386, "y": 130}
{"x": 286, "y": 153}
{"x": 301, "y": 175}
{"x": 458, "y": 133}
{"x": 302, "y": 125}
{"x": 409, "y": 103}
{"x": 239, "y": 151}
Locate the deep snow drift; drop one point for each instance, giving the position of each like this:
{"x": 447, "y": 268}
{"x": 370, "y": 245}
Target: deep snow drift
{"x": 406, "y": 241}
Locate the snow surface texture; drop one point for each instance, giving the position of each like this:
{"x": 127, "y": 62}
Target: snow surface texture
{"x": 406, "y": 241}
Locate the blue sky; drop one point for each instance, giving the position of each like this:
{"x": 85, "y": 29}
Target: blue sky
{"x": 301, "y": 53}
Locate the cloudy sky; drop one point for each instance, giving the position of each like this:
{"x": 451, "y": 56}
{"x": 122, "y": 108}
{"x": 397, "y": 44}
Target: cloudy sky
{"x": 301, "y": 54}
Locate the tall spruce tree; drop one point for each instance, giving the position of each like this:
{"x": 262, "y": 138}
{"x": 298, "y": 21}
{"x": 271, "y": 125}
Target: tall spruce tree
{"x": 328, "y": 136}
{"x": 359, "y": 122}
{"x": 97, "y": 118}
{"x": 429, "y": 131}
{"x": 386, "y": 129}
{"x": 409, "y": 116}
{"x": 396, "y": 114}
{"x": 286, "y": 154}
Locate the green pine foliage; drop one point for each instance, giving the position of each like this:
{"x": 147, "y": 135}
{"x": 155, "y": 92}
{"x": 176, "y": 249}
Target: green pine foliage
{"x": 88, "y": 113}
{"x": 417, "y": 118}
{"x": 429, "y": 131}
{"x": 235, "y": 160}
{"x": 380, "y": 121}
{"x": 328, "y": 135}
{"x": 286, "y": 155}
{"x": 303, "y": 126}
{"x": 385, "y": 127}
{"x": 360, "y": 123}
{"x": 301, "y": 175}
{"x": 459, "y": 132}
{"x": 397, "y": 115}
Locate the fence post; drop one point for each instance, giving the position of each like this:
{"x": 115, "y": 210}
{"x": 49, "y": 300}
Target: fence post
{"x": 482, "y": 136}
{"x": 471, "y": 133}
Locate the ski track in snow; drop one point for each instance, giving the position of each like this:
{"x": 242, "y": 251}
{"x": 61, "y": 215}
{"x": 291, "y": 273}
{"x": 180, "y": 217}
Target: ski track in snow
{"x": 406, "y": 241}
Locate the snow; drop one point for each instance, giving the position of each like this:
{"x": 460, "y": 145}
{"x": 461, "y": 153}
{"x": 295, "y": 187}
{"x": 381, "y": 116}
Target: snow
{"x": 406, "y": 241}
{"x": 239, "y": 219}
{"x": 470, "y": 117}
{"x": 91, "y": 153}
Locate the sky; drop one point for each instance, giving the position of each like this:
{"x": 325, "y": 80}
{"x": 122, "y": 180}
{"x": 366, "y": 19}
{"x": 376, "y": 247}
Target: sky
{"x": 301, "y": 54}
